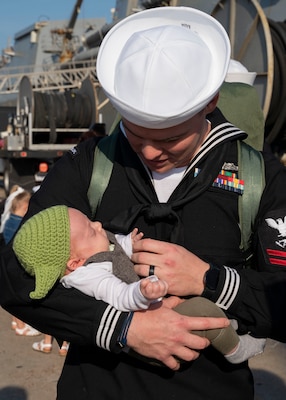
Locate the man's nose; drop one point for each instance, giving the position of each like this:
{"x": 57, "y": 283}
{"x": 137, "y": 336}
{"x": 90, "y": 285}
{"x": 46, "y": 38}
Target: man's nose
{"x": 150, "y": 151}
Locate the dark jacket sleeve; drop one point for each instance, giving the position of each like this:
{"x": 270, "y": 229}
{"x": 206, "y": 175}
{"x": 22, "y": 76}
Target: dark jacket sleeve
{"x": 66, "y": 314}
{"x": 257, "y": 297}
{"x": 258, "y": 302}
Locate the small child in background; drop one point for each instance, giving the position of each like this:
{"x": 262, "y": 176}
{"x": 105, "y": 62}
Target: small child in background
{"x": 45, "y": 346}
{"x": 18, "y": 208}
{"x": 14, "y": 191}
{"x": 19, "y": 203}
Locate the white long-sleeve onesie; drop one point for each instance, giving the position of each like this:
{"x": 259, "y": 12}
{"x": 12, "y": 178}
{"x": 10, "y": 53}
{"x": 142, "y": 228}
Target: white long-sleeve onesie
{"x": 97, "y": 280}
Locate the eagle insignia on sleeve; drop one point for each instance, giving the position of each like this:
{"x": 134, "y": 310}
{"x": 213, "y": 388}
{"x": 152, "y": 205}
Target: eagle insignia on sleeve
{"x": 272, "y": 236}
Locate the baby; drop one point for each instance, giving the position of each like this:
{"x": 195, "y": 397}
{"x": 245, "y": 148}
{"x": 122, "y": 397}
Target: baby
{"x": 61, "y": 243}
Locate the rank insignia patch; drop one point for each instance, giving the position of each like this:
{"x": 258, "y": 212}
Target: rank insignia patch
{"x": 272, "y": 234}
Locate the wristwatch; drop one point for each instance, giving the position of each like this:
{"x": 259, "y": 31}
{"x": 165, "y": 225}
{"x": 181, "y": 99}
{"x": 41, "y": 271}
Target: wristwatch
{"x": 211, "y": 280}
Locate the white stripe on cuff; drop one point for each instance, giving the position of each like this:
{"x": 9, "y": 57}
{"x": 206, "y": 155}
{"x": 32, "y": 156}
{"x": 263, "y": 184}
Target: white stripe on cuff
{"x": 230, "y": 288}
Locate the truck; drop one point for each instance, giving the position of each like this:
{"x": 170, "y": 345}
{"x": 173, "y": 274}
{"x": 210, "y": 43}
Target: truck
{"x": 49, "y": 122}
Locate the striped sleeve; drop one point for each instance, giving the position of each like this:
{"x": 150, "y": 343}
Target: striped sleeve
{"x": 227, "y": 289}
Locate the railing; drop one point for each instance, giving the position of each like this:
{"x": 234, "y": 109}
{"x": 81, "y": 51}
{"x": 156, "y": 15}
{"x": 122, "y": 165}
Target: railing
{"x": 44, "y": 77}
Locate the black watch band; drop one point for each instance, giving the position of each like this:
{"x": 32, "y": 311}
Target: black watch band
{"x": 211, "y": 280}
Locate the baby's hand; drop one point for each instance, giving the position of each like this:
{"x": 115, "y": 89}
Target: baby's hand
{"x": 136, "y": 236}
{"x": 153, "y": 288}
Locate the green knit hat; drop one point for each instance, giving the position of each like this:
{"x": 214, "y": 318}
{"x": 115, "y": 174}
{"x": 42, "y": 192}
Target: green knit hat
{"x": 42, "y": 245}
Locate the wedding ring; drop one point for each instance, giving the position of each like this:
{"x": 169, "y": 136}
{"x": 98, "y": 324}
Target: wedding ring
{"x": 152, "y": 270}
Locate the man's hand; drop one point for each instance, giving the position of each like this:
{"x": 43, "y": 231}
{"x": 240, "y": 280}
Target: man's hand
{"x": 182, "y": 270}
{"x": 164, "y": 334}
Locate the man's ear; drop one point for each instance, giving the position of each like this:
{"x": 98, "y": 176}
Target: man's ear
{"x": 212, "y": 104}
{"x": 74, "y": 263}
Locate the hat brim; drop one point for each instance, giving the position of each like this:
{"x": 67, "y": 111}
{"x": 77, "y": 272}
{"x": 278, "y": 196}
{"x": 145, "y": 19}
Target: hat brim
{"x": 243, "y": 77}
{"x": 206, "y": 27}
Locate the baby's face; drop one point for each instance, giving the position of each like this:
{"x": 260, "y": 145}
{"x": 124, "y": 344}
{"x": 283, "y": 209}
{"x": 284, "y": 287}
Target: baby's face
{"x": 87, "y": 237}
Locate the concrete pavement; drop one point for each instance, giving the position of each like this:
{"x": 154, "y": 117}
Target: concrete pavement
{"x": 269, "y": 370}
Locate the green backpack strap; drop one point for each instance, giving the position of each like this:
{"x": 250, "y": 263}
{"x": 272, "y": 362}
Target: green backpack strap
{"x": 251, "y": 170}
{"x": 102, "y": 169}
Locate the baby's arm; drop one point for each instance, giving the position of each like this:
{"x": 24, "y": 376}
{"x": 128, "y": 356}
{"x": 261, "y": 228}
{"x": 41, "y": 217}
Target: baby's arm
{"x": 127, "y": 241}
{"x": 97, "y": 280}
{"x": 153, "y": 288}
{"x": 136, "y": 235}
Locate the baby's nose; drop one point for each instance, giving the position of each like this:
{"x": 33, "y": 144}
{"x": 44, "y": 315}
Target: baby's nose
{"x": 98, "y": 225}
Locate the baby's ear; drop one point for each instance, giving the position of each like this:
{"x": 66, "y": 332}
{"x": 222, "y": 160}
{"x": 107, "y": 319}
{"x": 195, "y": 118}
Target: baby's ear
{"x": 74, "y": 263}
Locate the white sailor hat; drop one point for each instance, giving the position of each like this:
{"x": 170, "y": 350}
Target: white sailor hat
{"x": 237, "y": 72}
{"x": 161, "y": 66}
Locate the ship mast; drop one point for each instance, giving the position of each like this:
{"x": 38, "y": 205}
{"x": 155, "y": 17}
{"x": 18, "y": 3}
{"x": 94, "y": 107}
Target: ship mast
{"x": 67, "y": 50}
